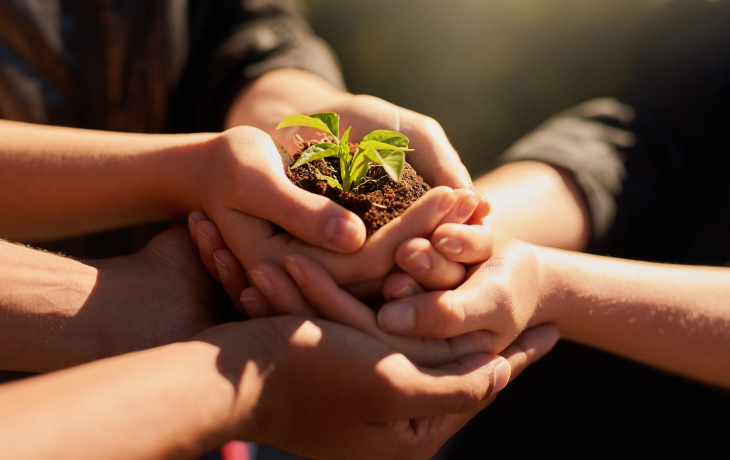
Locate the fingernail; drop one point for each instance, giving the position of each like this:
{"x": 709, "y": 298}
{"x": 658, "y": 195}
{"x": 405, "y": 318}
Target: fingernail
{"x": 261, "y": 280}
{"x": 482, "y": 197}
{"x": 405, "y": 291}
{"x": 205, "y": 244}
{"x": 197, "y": 216}
{"x": 342, "y": 233}
{"x": 254, "y": 308}
{"x": 222, "y": 269}
{"x": 418, "y": 262}
{"x": 467, "y": 207}
{"x": 449, "y": 245}
{"x": 501, "y": 376}
{"x": 292, "y": 266}
{"x": 397, "y": 317}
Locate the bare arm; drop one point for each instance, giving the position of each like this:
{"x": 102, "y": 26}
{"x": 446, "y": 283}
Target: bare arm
{"x": 57, "y": 312}
{"x": 537, "y": 203}
{"x": 59, "y": 182}
{"x": 670, "y": 316}
{"x": 343, "y": 393}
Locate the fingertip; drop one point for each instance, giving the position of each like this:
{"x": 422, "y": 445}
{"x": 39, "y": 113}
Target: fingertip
{"x": 502, "y": 373}
{"x": 255, "y": 304}
{"x": 484, "y": 207}
{"x": 344, "y": 233}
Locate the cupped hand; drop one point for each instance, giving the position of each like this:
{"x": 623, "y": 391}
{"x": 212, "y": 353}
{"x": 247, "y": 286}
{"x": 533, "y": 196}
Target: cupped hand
{"x": 433, "y": 157}
{"x": 501, "y": 296}
{"x": 328, "y": 391}
{"x": 242, "y": 172}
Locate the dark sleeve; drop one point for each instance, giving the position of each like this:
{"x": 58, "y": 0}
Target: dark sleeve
{"x": 649, "y": 166}
{"x": 235, "y": 41}
{"x": 645, "y": 183}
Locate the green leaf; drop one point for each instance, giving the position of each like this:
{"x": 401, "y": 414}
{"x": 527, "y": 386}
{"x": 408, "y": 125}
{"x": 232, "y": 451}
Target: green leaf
{"x": 315, "y": 153}
{"x": 397, "y": 140}
{"x": 303, "y": 120}
{"x": 392, "y": 161}
{"x": 378, "y": 145}
{"x": 360, "y": 166}
{"x": 332, "y": 120}
{"x": 345, "y": 137}
{"x": 331, "y": 181}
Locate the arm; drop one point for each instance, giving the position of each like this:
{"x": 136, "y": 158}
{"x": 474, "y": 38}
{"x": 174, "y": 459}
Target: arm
{"x": 343, "y": 393}
{"x": 669, "y": 316}
{"x": 57, "y": 312}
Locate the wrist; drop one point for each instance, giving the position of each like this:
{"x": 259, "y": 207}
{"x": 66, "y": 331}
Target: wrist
{"x": 549, "y": 297}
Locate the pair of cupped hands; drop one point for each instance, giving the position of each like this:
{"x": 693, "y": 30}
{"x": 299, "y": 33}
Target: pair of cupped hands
{"x": 444, "y": 288}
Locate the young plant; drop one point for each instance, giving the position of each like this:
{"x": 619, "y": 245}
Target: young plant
{"x": 387, "y": 148}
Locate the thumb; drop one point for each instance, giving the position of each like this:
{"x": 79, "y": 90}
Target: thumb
{"x": 270, "y": 195}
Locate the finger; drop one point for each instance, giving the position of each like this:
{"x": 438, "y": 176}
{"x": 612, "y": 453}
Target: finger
{"x": 255, "y": 304}
{"x": 366, "y": 292}
{"x": 427, "y": 266}
{"x": 462, "y": 212}
{"x": 193, "y": 219}
{"x": 376, "y": 259}
{"x": 209, "y": 241}
{"x": 398, "y": 285}
{"x": 530, "y": 346}
{"x": 281, "y": 293}
{"x": 468, "y": 244}
{"x": 231, "y": 275}
{"x": 484, "y": 208}
{"x": 328, "y": 299}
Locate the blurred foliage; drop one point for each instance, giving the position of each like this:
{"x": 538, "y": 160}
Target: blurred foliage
{"x": 487, "y": 70}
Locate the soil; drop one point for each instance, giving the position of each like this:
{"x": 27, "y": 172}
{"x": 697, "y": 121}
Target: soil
{"x": 377, "y": 200}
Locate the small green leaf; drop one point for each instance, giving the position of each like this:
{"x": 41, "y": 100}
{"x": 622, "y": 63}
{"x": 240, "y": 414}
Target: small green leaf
{"x": 315, "y": 153}
{"x": 397, "y": 140}
{"x": 345, "y": 137}
{"x": 392, "y": 163}
{"x": 360, "y": 166}
{"x": 332, "y": 120}
{"x": 303, "y": 120}
{"x": 378, "y": 145}
{"x": 331, "y": 181}
{"x": 394, "y": 160}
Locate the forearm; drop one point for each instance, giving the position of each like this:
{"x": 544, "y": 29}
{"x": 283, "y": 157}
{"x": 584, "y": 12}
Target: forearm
{"x": 169, "y": 402}
{"x": 669, "y": 316}
{"x": 537, "y": 203}
{"x": 60, "y": 182}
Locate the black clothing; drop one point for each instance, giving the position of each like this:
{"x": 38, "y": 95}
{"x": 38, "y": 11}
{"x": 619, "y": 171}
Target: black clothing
{"x": 655, "y": 170}
{"x": 149, "y": 66}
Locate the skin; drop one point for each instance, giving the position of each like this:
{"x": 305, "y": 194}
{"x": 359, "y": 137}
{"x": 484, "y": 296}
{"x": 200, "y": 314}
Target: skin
{"x": 309, "y": 386}
{"x": 57, "y": 312}
{"x": 669, "y": 316}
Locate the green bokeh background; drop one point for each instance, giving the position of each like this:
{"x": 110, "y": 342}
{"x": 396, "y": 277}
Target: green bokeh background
{"x": 487, "y": 70}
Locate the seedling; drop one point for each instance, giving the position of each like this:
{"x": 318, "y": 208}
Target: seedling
{"x": 387, "y": 148}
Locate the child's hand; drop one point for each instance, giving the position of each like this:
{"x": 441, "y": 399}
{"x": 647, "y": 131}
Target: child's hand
{"x": 500, "y": 297}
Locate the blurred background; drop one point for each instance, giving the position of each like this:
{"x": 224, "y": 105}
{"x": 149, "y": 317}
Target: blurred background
{"x": 487, "y": 70}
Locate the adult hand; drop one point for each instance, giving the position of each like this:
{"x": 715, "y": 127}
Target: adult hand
{"x": 242, "y": 172}
{"x": 500, "y": 297}
{"x": 328, "y": 391}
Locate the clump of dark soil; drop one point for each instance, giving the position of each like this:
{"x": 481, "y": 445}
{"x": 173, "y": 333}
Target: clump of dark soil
{"x": 377, "y": 200}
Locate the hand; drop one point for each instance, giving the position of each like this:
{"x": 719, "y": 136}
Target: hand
{"x": 162, "y": 294}
{"x": 501, "y": 297}
{"x": 328, "y": 391}
{"x": 242, "y": 172}
{"x": 252, "y": 242}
